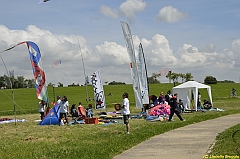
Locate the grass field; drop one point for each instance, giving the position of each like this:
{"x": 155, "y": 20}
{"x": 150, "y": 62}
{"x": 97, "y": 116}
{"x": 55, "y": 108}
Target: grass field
{"x": 28, "y": 140}
{"x": 26, "y": 101}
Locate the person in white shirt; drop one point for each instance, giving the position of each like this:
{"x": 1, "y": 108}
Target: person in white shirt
{"x": 58, "y": 100}
{"x": 126, "y": 111}
{"x": 64, "y": 109}
{"x": 41, "y": 108}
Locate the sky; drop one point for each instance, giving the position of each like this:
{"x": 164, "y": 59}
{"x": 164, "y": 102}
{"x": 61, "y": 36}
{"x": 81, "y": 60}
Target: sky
{"x": 197, "y": 37}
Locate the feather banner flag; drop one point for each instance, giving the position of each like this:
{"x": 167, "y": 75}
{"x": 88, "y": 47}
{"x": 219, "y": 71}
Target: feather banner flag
{"x": 99, "y": 97}
{"x": 38, "y": 73}
{"x": 142, "y": 72}
{"x": 133, "y": 64}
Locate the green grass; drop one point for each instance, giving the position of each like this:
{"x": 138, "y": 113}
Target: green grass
{"x": 228, "y": 142}
{"x": 28, "y": 140}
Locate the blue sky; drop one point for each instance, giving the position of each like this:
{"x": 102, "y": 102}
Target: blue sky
{"x": 198, "y": 37}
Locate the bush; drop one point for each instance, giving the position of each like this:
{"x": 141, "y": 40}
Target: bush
{"x": 210, "y": 80}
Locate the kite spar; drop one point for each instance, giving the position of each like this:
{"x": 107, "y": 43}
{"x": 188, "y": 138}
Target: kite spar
{"x": 84, "y": 71}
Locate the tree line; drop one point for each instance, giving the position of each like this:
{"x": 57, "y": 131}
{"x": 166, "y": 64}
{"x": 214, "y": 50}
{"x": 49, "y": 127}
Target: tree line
{"x": 21, "y": 82}
{"x": 18, "y": 82}
{"x": 172, "y": 76}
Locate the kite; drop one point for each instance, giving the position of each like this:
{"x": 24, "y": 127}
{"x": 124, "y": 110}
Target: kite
{"x": 42, "y": 1}
{"x": 58, "y": 62}
{"x": 99, "y": 97}
{"x": 164, "y": 72}
{"x": 38, "y": 73}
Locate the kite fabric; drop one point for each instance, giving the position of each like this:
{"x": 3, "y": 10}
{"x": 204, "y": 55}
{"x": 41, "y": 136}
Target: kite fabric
{"x": 133, "y": 64}
{"x": 38, "y": 73}
{"x": 142, "y": 72}
{"x": 57, "y": 62}
{"x": 42, "y": 1}
{"x": 99, "y": 97}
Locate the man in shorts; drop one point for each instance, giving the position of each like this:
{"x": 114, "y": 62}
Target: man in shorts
{"x": 126, "y": 111}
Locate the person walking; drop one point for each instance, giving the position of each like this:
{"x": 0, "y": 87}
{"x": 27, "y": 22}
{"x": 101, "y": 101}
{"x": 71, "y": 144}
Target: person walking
{"x": 126, "y": 111}
{"x": 174, "y": 108}
{"x": 64, "y": 109}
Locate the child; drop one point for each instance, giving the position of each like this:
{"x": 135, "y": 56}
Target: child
{"x": 89, "y": 111}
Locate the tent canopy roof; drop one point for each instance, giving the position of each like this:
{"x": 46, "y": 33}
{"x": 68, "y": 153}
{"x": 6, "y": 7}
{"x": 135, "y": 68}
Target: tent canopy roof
{"x": 192, "y": 84}
{"x": 184, "y": 92}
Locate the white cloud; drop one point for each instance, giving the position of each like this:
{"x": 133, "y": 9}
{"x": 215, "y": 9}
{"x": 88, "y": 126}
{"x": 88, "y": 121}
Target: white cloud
{"x": 112, "y": 53}
{"x": 235, "y": 47}
{"x": 127, "y": 9}
{"x": 190, "y": 56}
{"x": 158, "y": 51}
{"x": 130, "y": 7}
{"x": 170, "y": 14}
{"x": 110, "y": 57}
{"x": 109, "y": 12}
{"x": 52, "y": 47}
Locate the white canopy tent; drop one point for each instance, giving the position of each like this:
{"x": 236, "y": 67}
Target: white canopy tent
{"x": 184, "y": 92}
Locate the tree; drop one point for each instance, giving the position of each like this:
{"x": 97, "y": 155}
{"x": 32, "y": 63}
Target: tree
{"x": 116, "y": 83}
{"x": 50, "y": 84}
{"x": 189, "y": 76}
{"x": 153, "y": 79}
{"x": 2, "y": 82}
{"x": 210, "y": 80}
{"x": 174, "y": 77}
{"x": 183, "y": 76}
{"x": 60, "y": 84}
{"x": 20, "y": 80}
{"x": 169, "y": 76}
{"x": 29, "y": 83}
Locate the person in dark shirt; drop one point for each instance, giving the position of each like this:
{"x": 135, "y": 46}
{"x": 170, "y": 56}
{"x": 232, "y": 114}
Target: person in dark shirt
{"x": 161, "y": 98}
{"x": 207, "y": 104}
{"x": 168, "y": 96}
{"x": 174, "y": 108}
{"x": 180, "y": 106}
{"x": 154, "y": 99}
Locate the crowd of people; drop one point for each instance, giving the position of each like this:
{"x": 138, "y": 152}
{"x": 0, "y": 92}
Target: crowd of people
{"x": 176, "y": 105}
{"x": 80, "y": 112}
{"x": 77, "y": 113}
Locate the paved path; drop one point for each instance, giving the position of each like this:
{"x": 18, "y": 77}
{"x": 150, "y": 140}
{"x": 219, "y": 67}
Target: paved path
{"x": 188, "y": 142}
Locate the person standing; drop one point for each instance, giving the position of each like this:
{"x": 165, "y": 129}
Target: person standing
{"x": 126, "y": 111}
{"x": 41, "y": 108}
{"x": 199, "y": 100}
{"x": 174, "y": 108}
{"x": 58, "y": 100}
{"x": 168, "y": 96}
{"x": 64, "y": 109}
{"x": 233, "y": 93}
